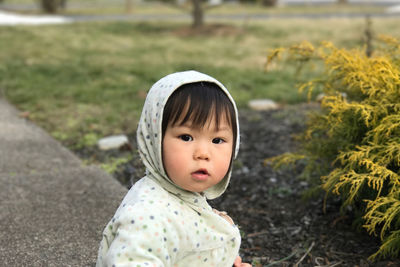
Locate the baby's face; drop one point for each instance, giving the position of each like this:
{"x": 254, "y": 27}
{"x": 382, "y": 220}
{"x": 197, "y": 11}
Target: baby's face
{"x": 197, "y": 159}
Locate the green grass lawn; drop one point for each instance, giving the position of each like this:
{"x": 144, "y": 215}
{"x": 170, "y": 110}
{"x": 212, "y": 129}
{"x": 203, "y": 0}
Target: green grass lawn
{"x": 86, "y": 80}
{"x": 91, "y": 7}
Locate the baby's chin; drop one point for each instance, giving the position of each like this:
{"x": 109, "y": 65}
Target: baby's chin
{"x": 195, "y": 190}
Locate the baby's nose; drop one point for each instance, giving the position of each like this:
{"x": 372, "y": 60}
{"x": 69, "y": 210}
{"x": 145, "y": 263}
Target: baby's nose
{"x": 201, "y": 153}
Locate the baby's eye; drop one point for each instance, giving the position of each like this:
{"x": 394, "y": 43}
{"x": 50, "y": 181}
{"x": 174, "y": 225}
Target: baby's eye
{"x": 186, "y": 137}
{"x": 218, "y": 140}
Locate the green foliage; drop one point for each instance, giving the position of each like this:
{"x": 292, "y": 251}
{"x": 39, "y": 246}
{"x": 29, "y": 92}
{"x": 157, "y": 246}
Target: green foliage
{"x": 355, "y": 139}
{"x": 113, "y": 163}
{"x": 89, "y": 139}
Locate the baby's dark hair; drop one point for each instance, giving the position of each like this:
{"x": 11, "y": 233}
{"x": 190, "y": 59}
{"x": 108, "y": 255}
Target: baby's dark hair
{"x": 199, "y": 102}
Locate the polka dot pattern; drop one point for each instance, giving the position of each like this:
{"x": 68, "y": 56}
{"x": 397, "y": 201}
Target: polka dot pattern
{"x": 157, "y": 235}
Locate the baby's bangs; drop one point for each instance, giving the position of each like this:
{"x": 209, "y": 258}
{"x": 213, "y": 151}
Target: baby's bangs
{"x": 198, "y": 103}
{"x": 200, "y": 113}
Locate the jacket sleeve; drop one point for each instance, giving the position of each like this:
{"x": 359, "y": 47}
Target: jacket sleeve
{"x": 141, "y": 237}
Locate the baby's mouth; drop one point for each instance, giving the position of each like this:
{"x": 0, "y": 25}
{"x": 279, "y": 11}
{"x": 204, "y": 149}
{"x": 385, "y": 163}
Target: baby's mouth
{"x": 201, "y": 174}
{"x": 201, "y": 171}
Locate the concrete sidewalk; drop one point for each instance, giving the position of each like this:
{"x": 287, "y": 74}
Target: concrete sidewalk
{"x": 52, "y": 208}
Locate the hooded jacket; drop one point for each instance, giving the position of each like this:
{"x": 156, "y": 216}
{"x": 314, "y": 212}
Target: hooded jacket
{"x": 159, "y": 223}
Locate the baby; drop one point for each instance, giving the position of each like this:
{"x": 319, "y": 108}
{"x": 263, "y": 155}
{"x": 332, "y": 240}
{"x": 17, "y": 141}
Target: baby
{"x": 188, "y": 136}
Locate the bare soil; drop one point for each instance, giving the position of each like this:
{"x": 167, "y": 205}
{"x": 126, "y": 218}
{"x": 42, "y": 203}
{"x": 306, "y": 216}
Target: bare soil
{"x": 278, "y": 227}
{"x": 213, "y": 29}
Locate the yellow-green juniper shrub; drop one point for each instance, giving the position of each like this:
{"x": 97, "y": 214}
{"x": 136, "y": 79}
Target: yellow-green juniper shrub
{"x": 353, "y": 143}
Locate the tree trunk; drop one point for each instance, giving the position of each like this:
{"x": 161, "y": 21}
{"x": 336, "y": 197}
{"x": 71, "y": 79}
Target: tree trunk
{"x": 128, "y": 6}
{"x": 63, "y": 4}
{"x": 368, "y": 36}
{"x": 52, "y": 6}
{"x": 269, "y": 3}
{"x": 198, "y": 15}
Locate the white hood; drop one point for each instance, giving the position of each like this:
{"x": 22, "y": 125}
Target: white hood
{"x": 150, "y": 130}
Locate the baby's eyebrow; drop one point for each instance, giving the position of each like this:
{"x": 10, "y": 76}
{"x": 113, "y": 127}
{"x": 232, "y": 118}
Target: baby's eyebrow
{"x": 223, "y": 129}
{"x": 182, "y": 127}
{"x": 188, "y": 126}
{"x": 226, "y": 128}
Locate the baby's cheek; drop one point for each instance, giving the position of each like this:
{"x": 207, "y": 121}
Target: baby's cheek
{"x": 223, "y": 168}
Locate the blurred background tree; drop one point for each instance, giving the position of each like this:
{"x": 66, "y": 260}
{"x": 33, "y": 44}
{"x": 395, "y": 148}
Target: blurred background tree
{"x": 129, "y": 6}
{"x": 197, "y": 13}
{"x": 269, "y": 2}
{"x": 197, "y": 8}
{"x": 52, "y": 6}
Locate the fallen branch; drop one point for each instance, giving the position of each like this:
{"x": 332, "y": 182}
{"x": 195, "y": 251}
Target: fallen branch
{"x": 305, "y": 254}
{"x": 257, "y": 234}
{"x": 326, "y": 265}
{"x": 281, "y": 260}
